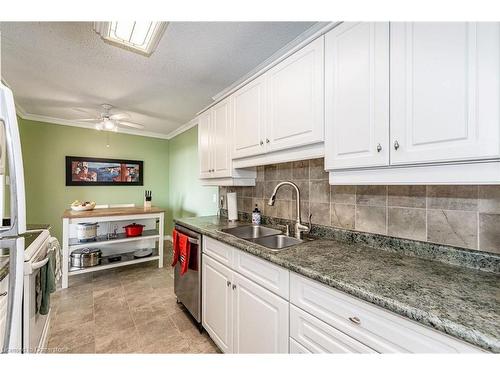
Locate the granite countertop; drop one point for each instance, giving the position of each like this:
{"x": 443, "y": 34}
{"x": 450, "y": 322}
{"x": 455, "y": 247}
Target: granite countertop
{"x": 459, "y": 301}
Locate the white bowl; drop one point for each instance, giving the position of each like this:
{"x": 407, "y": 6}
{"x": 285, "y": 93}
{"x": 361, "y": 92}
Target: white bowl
{"x": 88, "y": 207}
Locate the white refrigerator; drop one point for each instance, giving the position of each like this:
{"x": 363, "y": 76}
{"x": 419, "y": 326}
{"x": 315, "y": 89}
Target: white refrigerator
{"x": 11, "y": 243}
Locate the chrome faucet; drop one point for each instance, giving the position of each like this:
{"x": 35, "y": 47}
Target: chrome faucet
{"x": 299, "y": 227}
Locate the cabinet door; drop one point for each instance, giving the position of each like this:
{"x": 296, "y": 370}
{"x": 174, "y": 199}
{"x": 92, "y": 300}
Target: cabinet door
{"x": 296, "y": 99}
{"x": 260, "y": 319}
{"x": 217, "y": 300}
{"x": 357, "y": 95}
{"x": 205, "y": 144}
{"x": 249, "y": 119}
{"x": 444, "y": 91}
{"x": 221, "y": 136}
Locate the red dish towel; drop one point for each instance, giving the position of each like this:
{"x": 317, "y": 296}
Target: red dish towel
{"x": 182, "y": 250}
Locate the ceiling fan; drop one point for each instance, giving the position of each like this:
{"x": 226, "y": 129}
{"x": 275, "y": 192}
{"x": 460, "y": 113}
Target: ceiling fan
{"x": 111, "y": 121}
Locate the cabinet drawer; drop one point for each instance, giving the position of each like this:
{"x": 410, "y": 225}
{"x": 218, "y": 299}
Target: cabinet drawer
{"x": 379, "y": 329}
{"x": 318, "y": 337}
{"x": 296, "y": 348}
{"x": 218, "y": 251}
{"x": 264, "y": 273}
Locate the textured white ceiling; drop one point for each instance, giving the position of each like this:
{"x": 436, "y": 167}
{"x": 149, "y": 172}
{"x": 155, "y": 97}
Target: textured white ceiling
{"x": 64, "y": 70}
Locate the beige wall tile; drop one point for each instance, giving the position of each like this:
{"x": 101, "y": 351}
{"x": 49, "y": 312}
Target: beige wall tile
{"x": 260, "y": 173}
{"x": 371, "y": 219}
{"x": 284, "y": 209}
{"x": 489, "y": 199}
{"x": 304, "y": 211}
{"x": 319, "y": 191}
{"x": 285, "y": 171}
{"x": 259, "y": 189}
{"x": 406, "y": 195}
{"x": 304, "y": 190}
{"x": 271, "y": 172}
{"x": 489, "y": 232}
{"x": 320, "y": 213}
{"x": 458, "y": 228}
{"x": 317, "y": 169}
{"x": 300, "y": 170}
{"x": 342, "y": 215}
{"x": 343, "y": 194}
{"x": 371, "y": 195}
{"x": 407, "y": 223}
{"x": 452, "y": 197}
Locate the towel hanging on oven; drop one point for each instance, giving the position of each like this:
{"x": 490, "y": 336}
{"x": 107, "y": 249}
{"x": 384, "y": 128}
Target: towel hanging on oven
{"x": 181, "y": 251}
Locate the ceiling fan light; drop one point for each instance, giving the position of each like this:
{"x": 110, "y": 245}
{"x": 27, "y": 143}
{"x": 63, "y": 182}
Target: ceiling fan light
{"x": 138, "y": 36}
{"x": 108, "y": 124}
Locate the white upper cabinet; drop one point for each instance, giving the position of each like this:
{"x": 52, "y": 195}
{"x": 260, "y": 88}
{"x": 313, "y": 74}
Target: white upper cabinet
{"x": 205, "y": 144}
{"x": 357, "y": 95}
{"x": 222, "y": 134}
{"x": 295, "y": 99}
{"x": 249, "y": 119}
{"x": 215, "y": 136}
{"x": 444, "y": 91}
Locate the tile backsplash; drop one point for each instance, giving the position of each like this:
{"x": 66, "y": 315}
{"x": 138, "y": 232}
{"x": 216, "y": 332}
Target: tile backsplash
{"x": 466, "y": 216}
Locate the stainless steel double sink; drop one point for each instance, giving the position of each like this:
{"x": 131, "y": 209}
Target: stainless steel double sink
{"x": 271, "y": 238}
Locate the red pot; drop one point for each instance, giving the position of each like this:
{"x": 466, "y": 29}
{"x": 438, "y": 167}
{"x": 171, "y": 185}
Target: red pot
{"x": 133, "y": 230}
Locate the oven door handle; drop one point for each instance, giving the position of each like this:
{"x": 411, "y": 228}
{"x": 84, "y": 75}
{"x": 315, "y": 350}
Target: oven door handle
{"x": 37, "y": 265}
{"x": 194, "y": 241}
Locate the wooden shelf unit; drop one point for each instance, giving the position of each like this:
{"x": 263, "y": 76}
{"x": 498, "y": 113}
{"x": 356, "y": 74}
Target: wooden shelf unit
{"x": 109, "y": 215}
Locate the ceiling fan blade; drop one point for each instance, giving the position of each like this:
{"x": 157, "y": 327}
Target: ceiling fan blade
{"x": 87, "y": 119}
{"x": 119, "y": 116}
{"x": 130, "y": 124}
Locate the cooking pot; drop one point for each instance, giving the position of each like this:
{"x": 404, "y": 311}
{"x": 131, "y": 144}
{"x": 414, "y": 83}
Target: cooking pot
{"x": 87, "y": 257}
{"x": 133, "y": 230}
{"x": 86, "y": 232}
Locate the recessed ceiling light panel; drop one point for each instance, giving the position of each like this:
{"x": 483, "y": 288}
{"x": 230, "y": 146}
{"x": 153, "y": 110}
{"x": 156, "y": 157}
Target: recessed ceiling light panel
{"x": 137, "y": 36}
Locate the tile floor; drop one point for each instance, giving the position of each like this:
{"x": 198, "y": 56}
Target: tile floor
{"x": 130, "y": 309}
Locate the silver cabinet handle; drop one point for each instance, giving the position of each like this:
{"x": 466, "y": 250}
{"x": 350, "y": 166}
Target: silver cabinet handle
{"x": 261, "y": 142}
{"x": 3, "y": 294}
{"x": 379, "y": 147}
{"x": 267, "y": 140}
{"x": 234, "y": 286}
{"x": 396, "y": 144}
{"x": 229, "y": 283}
{"x": 355, "y": 320}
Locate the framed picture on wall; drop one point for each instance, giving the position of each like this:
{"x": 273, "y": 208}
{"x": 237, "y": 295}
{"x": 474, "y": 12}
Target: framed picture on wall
{"x": 86, "y": 171}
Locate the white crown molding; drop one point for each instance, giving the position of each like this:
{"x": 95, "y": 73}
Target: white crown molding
{"x": 183, "y": 128}
{"x": 58, "y": 121}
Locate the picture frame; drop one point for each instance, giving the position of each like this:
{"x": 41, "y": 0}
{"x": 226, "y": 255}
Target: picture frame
{"x": 89, "y": 171}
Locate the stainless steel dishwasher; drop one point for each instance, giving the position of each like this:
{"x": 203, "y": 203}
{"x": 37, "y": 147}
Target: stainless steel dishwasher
{"x": 187, "y": 287}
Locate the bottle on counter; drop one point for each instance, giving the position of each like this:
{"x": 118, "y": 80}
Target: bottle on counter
{"x": 256, "y": 215}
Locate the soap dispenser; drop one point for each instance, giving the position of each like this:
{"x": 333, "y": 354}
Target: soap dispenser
{"x": 256, "y": 215}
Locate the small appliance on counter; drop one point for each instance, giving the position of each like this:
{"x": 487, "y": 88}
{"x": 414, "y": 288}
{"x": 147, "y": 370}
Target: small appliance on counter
{"x": 133, "y": 230}
{"x": 86, "y": 232}
{"x": 87, "y": 257}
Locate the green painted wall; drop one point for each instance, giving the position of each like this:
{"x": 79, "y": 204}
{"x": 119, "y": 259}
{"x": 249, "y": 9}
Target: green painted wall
{"x": 186, "y": 196}
{"x": 44, "y": 149}
{"x": 171, "y": 172}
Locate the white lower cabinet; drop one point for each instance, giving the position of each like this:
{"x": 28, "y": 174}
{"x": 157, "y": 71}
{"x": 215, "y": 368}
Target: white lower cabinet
{"x": 296, "y": 348}
{"x": 217, "y": 307}
{"x": 318, "y": 337}
{"x": 240, "y": 315}
{"x": 250, "y": 305}
{"x": 260, "y": 319}
{"x": 374, "y": 327}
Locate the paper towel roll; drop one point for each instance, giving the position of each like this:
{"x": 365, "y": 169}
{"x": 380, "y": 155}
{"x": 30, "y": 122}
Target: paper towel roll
{"x": 232, "y": 207}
